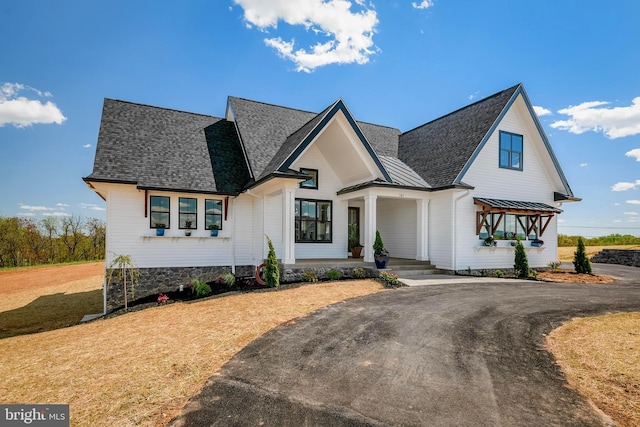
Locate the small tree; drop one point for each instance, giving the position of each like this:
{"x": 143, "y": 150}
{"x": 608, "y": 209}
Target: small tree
{"x": 378, "y": 246}
{"x": 271, "y": 268}
{"x": 580, "y": 260}
{"x": 123, "y": 267}
{"x": 521, "y": 265}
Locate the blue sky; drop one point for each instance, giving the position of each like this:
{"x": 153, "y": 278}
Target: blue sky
{"x": 398, "y": 63}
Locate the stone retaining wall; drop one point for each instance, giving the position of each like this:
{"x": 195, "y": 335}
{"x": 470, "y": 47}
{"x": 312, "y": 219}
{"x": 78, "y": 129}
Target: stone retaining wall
{"x": 618, "y": 256}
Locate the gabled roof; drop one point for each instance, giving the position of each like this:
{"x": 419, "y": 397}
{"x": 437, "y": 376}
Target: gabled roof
{"x": 271, "y": 133}
{"x": 159, "y": 148}
{"x": 440, "y": 149}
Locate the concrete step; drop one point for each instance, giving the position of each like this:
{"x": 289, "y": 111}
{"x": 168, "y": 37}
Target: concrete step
{"x": 414, "y": 272}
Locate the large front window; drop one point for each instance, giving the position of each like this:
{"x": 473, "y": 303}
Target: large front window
{"x": 313, "y": 221}
{"x": 510, "y": 150}
{"x": 213, "y": 214}
{"x": 188, "y": 212}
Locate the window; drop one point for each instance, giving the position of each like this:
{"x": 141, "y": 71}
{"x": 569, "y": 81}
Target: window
{"x": 188, "y": 215}
{"x": 312, "y": 182}
{"x": 510, "y": 150}
{"x": 313, "y": 221}
{"x": 159, "y": 212}
{"x": 509, "y": 227}
{"x": 213, "y": 214}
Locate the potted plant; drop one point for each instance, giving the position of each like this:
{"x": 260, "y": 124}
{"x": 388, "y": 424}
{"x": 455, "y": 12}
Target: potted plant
{"x": 380, "y": 254}
{"x": 188, "y": 225}
{"x": 537, "y": 243}
{"x": 214, "y": 230}
{"x": 160, "y": 228}
{"x": 354, "y": 242}
{"x": 490, "y": 241}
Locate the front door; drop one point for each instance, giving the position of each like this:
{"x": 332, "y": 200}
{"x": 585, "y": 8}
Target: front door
{"x": 354, "y": 227}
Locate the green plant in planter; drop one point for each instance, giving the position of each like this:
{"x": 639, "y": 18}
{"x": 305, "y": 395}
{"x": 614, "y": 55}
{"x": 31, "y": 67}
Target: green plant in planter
{"x": 354, "y": 241}
{"x": 381, "y": 255}
{"x": 271, "y": 268}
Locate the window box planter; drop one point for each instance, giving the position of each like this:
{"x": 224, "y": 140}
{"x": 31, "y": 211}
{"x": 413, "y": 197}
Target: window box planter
{"x": 536, "y": 244}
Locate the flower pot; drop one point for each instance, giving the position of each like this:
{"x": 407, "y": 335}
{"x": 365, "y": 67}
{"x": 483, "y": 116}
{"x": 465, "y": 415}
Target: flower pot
{"x": 187, "y": 232}
{"x": 356, "y": 251}
{"x": 536, "y": 244}
{"x": 159, "y": 231}
{"x": 381, "y": 261}
{"x": 214, "y": 233}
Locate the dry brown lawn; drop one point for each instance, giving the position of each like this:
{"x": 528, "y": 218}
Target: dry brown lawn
{"x": 600, "y": 357}
{"x": 565, "y": 254}
{"x": 141, "y": 367}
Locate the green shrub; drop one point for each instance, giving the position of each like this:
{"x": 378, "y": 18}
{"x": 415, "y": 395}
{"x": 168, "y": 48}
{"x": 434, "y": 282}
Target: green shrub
{"x": 309, "y": 276}
{"x": 333, "y": 275}
{"x": 533, "y": 273}
{"x": 554, "y": 265}
{"x": 359, "y": 273}
{"x": 378, "y": 246}
{"x": 499, "y": 273}
{"x": 272, "y": 269}
{"x": 580, "y": 260}
{"x": 388, "y": 279}
{"x": 229, "y": 279}
{"x": 200, "y": 288}
{"x": 521, "y": 265}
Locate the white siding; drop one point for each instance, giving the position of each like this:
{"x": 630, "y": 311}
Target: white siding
{"x": 535, "y": 183}
{"x": 441, "y": 230}
{"x": 129, "y": 232}
{"x": 397, "y": 223}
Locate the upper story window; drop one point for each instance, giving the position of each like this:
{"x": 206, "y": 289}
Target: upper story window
{"x": 313, "y": 221}
{"x": 188, "y": 215}
{"x": 213, "y": 214}
{"x": 160, "y": 217}
{"x": 312, "y": 182}
{"x": 510, "y": 150}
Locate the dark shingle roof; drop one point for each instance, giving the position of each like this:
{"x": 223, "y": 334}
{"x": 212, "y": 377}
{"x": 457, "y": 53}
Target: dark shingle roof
{"x": 270, "y": 133}
{"x": 516, "y": 205}
{"x": 167, "y": 149}
{"x": 439, "y": 150}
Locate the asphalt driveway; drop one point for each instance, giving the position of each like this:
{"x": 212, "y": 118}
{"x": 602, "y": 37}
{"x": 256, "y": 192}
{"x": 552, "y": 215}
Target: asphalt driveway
{"x": 440, "y": 355}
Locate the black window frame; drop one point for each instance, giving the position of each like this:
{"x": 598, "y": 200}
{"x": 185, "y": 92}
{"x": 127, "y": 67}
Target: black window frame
{"x": 153, "y": 223}
{"x": 181, "y": 213}
{"x": 510, "y": 151}
{"x": 314, "y": 178}
{"x": 208, "y": 215}
{"x": 299, "y": 220}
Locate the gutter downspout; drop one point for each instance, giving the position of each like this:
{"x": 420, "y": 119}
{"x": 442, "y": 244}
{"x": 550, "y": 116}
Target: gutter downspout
{"x": 233, "y": 236}
{"x": 454, "y": 208}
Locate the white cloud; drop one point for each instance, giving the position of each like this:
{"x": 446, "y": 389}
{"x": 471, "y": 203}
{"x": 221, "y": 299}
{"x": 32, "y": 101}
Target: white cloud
{"x": 624, "y": 186}
{"x": 26, "y": 214}
{"x": 56, "y": 214}
{"x": 62, "y": 205}
{"x": 86, "y": 146}
{"x": 424, "y": 4}
{"x": 633, "y": 202}
{"x": 22, "y": 112}
{"x": 634, "y": 153}
{"x": 631, "y": 213}
{"x": 473, "y": 95}
{"x": 614, "y": 122}
{"x": 616, "y": 204}
{"x": 584, "y": 165}
{"x": 36, "y": 208}
{"x": 541, "y": 111}
{"x": 346, "y": 36}
{"x": 617, "y": 220}
{"x": 91, "y": 206}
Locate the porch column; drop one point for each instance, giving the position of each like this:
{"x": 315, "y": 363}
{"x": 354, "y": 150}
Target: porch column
{"x": 422, "y": 250}
{"x": 369, "y": 226}
{"x": 288, "y": 225}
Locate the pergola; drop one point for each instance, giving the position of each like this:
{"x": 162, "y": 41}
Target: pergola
{"x": 532, "y": 216}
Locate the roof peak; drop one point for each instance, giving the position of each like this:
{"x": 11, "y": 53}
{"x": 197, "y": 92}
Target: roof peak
{"x": 512, "y": 88}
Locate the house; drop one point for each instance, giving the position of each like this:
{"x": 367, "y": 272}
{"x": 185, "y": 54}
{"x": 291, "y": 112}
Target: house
{"x": 302, "y": 178}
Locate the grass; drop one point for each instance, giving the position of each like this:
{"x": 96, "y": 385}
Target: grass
{"x": 565, "y": 254}
{"x": 141, "y": 367}
{"x": 601, "y": 359}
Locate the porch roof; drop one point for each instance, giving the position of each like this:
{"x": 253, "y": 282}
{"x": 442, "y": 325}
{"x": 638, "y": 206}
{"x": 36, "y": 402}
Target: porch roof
{"x": 515, "y": 206}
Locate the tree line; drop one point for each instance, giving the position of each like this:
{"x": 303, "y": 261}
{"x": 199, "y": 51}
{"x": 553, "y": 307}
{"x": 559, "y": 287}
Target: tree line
{"x": 25, "y": 241}
{"x": 610, "y": 240}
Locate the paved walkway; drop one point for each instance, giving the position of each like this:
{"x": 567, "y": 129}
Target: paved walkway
{"x": 454, "y": 354}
